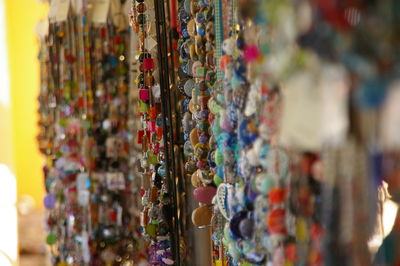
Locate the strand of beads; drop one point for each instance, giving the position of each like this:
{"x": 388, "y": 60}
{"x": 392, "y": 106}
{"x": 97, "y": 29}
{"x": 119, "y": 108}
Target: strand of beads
{"x": 66, "y": 222}
{"x": 252, "y": 196}
{"x": 156, "y": 200}
{"x": 196, "y": 79}
{"x": 87, "y": 178}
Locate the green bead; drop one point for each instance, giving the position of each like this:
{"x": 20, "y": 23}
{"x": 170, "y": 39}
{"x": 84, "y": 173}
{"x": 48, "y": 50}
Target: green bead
{"x": 217, "y": 180}
{"x": 121, "y": 48}
{"x": 151, "y": 230}
{"x": 58, "y": 153}
{"x": 153, "y": 159}
{"x": 200, "y": 72}
{"x": 144, "y": 107}
{"x": 67, "y": 95}
{"x": 215, "y": 108}
{"x": 245, "y": 263}
{"x": 51, "y": 239}
{"x": 219, "y": 157}
{"x": 87, "y": 124}
{"x": 63, "y": 122}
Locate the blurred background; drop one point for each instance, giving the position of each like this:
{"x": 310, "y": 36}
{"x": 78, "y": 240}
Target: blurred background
{"x": 21, "y": 189}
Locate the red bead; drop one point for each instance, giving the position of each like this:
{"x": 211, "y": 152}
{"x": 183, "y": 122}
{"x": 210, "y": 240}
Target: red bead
{"x": 159, "y": 132}
{"x": 316, "y": 232}
{"x": 118, "y": 39}
{"x": 277, "y": 195}
{"x": 276, "y": 221}
{"x": 103, "y": 33}
{"x": 142, "y": 191}
{"x": 290, "y": 252}
{"x": 113, "y": 215}
{"x": 140, "y": 135}
{"x": 148, "y": 64}
{"x": 81, "y": 102}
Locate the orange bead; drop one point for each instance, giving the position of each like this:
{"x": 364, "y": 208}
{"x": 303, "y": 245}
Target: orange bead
{"x": 276, "y": 221}
{"x": 315, "y": 258}
{"x": 277, "y": 195}
{"x": 290, "y": 252}
{"x": 224, "y": 62}
{"x": 153, "y": 113}
{"x": 159, "y": 132}
{"x": 316, "y": 232}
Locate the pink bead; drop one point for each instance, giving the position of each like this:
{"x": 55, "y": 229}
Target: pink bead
{"x": 156, "y": 148}
{"x": 144, "y": 94}
{"x": 204, "y": 194}
{"x": 225, "y": 125}
{"x": 251, "y": 53}
{"x": 201, "y": 165}
{"x": 152, "y": 126}
{"x": 168, "y": 261}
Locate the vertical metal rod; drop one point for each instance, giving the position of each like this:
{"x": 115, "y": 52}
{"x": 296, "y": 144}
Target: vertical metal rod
{"x": 168, "y": 132}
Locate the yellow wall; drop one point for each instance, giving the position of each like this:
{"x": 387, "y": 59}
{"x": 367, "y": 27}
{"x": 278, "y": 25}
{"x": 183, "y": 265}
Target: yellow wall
{"x": 21, "y": 19}
{"x": 6, "y": 144}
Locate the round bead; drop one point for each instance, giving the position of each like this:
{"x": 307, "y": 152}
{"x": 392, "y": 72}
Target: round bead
{"x": 51, "y": 239}
{"x": 49, "y": 201}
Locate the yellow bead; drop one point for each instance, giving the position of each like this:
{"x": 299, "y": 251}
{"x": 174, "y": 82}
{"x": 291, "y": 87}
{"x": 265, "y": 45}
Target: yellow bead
{"x": 301, "y": 230}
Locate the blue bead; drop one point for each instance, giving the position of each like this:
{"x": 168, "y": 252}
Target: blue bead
{"x": 159, "y": 121}
{"x": 264, "y": 152}
{"x": 240, "y": 43}
{"x": 162, "y": 171}
{"x": 220, "y": 171}
{"x": 113, "y": 61}
{"x": 201, "y": 31}
{"x": 185, "y": 33}
{"x": 371, "y": 93}
{"x": 88, "y": 182}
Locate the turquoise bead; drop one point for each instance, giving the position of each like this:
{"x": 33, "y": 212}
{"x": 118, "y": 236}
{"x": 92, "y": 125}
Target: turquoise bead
{"x": 266, "y": 185}
{"x": 247, "y": 247}
{"x": 234, "y": 251}
{"x": 227, "y": 234}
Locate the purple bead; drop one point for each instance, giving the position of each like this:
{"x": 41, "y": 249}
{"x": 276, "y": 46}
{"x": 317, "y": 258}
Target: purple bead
{"x": 251, "y": 195}
{"x": 203, "y": 139}
{"x": 204, "y": 114}
{"x": 49, "y": 201}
